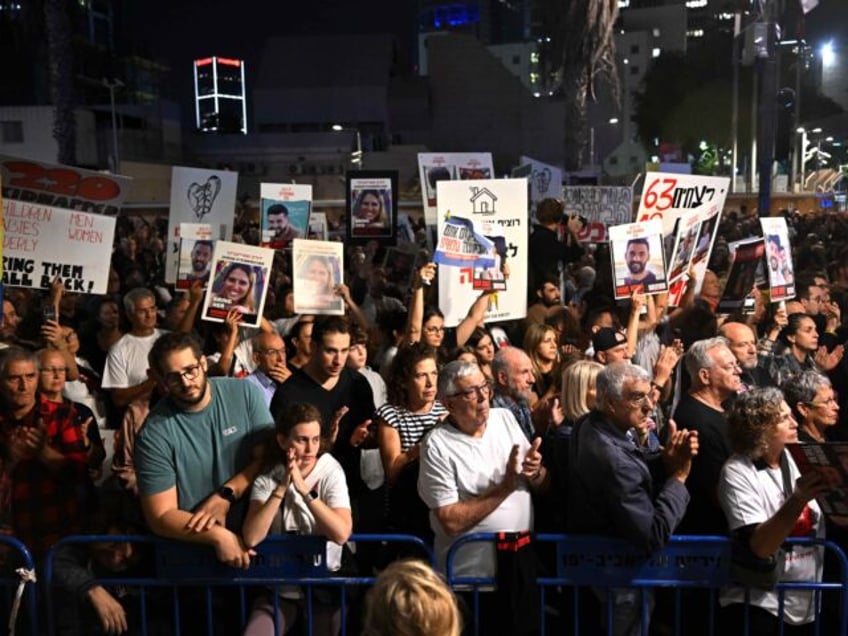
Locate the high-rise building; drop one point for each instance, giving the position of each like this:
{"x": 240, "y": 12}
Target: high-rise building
{"x": 219, "y": 95}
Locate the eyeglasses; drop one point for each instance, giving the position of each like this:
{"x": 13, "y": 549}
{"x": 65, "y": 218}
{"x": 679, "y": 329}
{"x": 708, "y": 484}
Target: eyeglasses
{"x": 834, "y": 399}
{"x": 273, "y": 352}
{"x": 475, "y": 392}
{"x": 54, "y": 370}
{"x": 638, "y": 399}
{"x": 189, "y": 373}
{"x": 434, "y": 329}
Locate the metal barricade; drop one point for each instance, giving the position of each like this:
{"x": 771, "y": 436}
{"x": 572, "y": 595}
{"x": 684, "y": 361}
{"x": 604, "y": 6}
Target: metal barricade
{"x": 593, "y": 565}
{"x": 280, "y": 561}
{"x": 19, "y": 582}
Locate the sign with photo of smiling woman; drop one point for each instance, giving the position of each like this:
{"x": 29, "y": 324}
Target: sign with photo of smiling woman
{"x": 372, "y": 206}
{"x": 239, "y": 282}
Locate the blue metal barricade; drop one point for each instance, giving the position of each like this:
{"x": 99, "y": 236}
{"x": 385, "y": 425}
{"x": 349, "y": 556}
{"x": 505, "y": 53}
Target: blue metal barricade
{"x": 281, "y": 561}
{"x": 609, "y": 566}
{"x": 19, "y": 583}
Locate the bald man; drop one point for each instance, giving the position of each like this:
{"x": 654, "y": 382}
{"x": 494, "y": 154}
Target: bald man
{"x": 743, "y": 345}
{"x": 269, "y": 354}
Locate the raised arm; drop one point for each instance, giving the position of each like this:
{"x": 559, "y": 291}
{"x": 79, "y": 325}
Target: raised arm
{"x": 414, "y": 324}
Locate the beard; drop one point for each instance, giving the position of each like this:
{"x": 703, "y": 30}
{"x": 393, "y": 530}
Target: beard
{"x": 636, "y": 267}
{"x": 185, "y": 401}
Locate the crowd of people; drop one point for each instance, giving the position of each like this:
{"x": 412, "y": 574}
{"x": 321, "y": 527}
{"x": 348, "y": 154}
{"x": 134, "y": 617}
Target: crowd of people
{"x": 127, "y": 413}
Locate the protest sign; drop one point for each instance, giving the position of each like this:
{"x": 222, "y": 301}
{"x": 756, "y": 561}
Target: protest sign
{"x": 778, "y": 258}
{"x": 239, "y": 281}
{"x": 317, "y": 226}
{"x": 600, "y": 206}
{"x": 199, "y": 196}
{"x": 482, "y": 227}
{"x": 318, "y": 271}
{"x": 666, "y": 196}
{"x": 686, "y": 239}
{"x": 66, "y": 187}
{"x": 746, "y": 257}
{"x": 196, "y": 248}
{"x": 372, "y": 206}
{"x": 41, "y": 243}
{"x": 451, "y": 166}
{"x": 285, "y": 210}
{"x": 399, "y": 264}
{"x": 545, "y": 180}
{"x": 638, "y": 261}
{"x": 830, "y": 460}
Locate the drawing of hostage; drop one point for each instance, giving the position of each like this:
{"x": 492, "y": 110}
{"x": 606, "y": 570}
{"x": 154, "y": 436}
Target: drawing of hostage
{"x": 636, "y": 256}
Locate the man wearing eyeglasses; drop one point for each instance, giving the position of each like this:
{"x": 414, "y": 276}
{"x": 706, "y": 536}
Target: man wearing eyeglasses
{"x": 269, "y": 354}
{"x": 477, "y": 470}
{"x": 197, "y": 453}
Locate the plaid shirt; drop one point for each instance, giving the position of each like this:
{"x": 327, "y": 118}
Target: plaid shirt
{"x": 46, "y": 505}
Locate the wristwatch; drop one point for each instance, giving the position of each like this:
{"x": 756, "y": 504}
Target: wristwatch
{"x": 225, "y": 492}
{"x": 310, "y": 496}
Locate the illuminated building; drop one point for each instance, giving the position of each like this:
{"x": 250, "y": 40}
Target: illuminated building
{"x": 219, "y": 95}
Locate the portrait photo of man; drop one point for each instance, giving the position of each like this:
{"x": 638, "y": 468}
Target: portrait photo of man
{"x": 636, "y": 256}
{"x": 201, "y": 258}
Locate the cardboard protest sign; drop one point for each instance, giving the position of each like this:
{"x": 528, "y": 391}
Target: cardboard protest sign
{"x": 239, "y": 281}
{"x": 830, "y": 460}
{"x": 318, "y": 271}
{"x": 196, "y": 249}
{"x": 600, "y": 206}
{"x": 482, "y": 227}
{"x": 778, "y": 258}
{"x": 746, "y": 256}
{"x": 372, "y": 206}
{"x": 666, "y": 196}
{"x": 638, "y": 261}
{"x": 41, "y": 243}
{"x": 199, "y": 196}
{"x": 451, "y": 166}
{"x": 285, "y": 210}
{"x": 66, "y": 187}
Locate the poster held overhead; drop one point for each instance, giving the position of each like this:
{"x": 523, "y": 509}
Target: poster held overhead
{"x": 686, "y": 241}
{"x": 318, "y": 271}
{"x": 600, "y": 206}
{"x": 317, "y": 226}
{"x": 285, "y": 209}
{"x": 371, "y": 198}
{"x": 434, "y": 167}
{"x": 778, "y": 258}
{"x": 240, "y": 275}
{"x": 746, "y": 257}
{"x": 196, "y": 249}
{"x": 637, "y": 257}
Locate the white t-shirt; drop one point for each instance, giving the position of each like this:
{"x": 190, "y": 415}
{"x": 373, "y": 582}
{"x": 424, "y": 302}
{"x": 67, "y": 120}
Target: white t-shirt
{"x": 749, "y": 497}
{"x": 328, "y": 480}
{"x": 457, "y": 467}
{"x": 126, "y": 363}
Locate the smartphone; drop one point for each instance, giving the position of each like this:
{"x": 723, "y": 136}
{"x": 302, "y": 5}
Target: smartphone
{"x": 748, "y": 306}
{"x": 48, "y": 313}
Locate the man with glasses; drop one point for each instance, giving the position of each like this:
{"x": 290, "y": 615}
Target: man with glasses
{"x": 477, "y": 470}
{"x": 197, "y": 453}
{"x": 269, "y": 354}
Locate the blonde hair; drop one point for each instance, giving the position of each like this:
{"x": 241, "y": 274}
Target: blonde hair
{"x": 409, "y": 599}
{"x": 532, "y": 339}
{"x": 577, "y": 379}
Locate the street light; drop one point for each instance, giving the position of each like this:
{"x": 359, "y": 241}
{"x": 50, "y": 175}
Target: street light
{"x": 356, "y": 155}
{"x": 113, "y": 85}
{"x": 828, "y": 55}
{"x": 612, "y": 121}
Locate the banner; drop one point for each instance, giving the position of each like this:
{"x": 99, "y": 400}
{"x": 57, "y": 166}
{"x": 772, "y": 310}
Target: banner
{"x": 239, "y": 281}
{"x": 666, "y": 196}
{"x": 494, "y": 213}
{"x": 452, "y": 166}
{"x": 600, "y": 206}
{"x": 318, "y": 271}
{"x": 778, "y": 258}
{"x": 638, "y": 261}
{"x": 285, "y": 210}
{"x": 60, "y": 186}
{"x": 41, "y": 243}
{"x": 196, "y": 249}
{"x": 745, "y": 257}
{"x": 199, "y": 196}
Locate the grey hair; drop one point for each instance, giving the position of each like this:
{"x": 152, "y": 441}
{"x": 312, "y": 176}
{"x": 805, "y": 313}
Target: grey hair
{"x": 17, "y": 354}
{"x": 452, "y": 372}
{"x": 802, "y": 387}
{"x": 501, "y": 361}
{"x": 611, "y": 379}
{"x": 698, "y": 357}
{"x": 134, "y": 295}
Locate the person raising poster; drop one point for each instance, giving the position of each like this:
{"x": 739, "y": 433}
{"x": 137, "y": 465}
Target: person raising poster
{"x": 233, "y": 289}
{"x": 637, "y": 255}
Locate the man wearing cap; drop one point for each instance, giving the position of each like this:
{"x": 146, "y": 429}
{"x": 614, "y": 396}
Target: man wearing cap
{"x": 610, "y": 345}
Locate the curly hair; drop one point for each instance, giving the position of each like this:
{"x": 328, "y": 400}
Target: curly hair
{"x": 752, "y": 420}
{"x": 403, "y": 370}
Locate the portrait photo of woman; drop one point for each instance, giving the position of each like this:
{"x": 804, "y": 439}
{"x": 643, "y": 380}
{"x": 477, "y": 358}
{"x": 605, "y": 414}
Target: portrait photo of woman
{"x": 236, "y": 286}
{"x": 316, "y": 278}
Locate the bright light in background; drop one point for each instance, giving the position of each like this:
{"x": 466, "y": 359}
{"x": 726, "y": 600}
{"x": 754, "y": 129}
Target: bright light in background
{"x": 828, "y": 55}
{"x": 702, "y": 145}
{"x": 613, "y": 120}
{"x": 800, "y": 130}
{"x": 338, "y": 127}
{"x": 655, "y": 52}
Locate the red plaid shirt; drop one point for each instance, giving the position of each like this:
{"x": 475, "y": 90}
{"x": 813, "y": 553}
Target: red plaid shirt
{"x": 46, "y": 505}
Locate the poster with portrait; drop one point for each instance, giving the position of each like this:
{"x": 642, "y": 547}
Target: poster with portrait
{"x": 686, "y": 240}
{"x": 600, "y": 207}
{"x": 434, "y": 167}
{"x": 371, "y": 198}
{"x": 196, "y": 249}
{"x": 239, "y": 280}
{"x": 543, "y": 179}
{"x": 317, "y": 268}
{"x": 199, "y": 196}
{"x": 284, "y": 213}
{"x": 482, "y": 234}
{"x": 399, "y": 263}
{"x": 317, "y": 226}
{"x": 781, "y": 274}
{"x": 638, "y": 261}
{"x": 746, "y": 256}
{"x": 830, "y": 460}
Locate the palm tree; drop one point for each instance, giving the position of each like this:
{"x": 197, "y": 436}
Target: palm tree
{"x": 57, "y": 20}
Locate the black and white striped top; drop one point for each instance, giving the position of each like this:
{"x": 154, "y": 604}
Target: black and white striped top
{"x": 411, "y": 426}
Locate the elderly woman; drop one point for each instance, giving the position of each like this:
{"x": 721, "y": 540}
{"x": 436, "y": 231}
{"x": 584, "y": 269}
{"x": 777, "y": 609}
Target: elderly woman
{"x": 814, "y": 405}
{"x": 766, "y": 500}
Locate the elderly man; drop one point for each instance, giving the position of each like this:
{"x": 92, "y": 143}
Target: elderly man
{"x": 269, "y": 354}
{"x": 612, "y": 488}
{"x": 513, "y": 377}
{"x": 714, "y": 372}
{"x": 743, "y": 345}
{"x": 477, "y": 470}
{"x": 610, "y": 345}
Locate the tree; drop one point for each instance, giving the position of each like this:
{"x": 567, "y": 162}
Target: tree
{"x": 60, "y": 62}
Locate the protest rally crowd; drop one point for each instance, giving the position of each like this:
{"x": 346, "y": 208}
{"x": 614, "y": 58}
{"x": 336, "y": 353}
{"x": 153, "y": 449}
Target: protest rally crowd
{"x": 127, "y": 414}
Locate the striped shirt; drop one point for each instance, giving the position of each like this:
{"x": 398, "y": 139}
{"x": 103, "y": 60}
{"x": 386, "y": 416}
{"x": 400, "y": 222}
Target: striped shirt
{"x": 411, "y": 426}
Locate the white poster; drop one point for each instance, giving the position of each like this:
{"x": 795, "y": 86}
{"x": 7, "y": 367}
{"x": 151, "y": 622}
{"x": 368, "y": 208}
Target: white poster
{"x": 318, "y": 271}
{"x": 600, "y": 206}
{"x": 239, "y": 282}
{"x": 285, "y": 210}
{"x": 199, "y": 196}
{"x": 686, "y": 240}
{"x": 449, "y": 166}
{"x": 490, "y": 217}
{"x": 544, "y": 179}
{"x": 665, "y": 196}
{"x": 638, "y": 261}
{"x": 318, "y": 226}
{"x": 778, "y": 258}
{"x": 41, "y": 243}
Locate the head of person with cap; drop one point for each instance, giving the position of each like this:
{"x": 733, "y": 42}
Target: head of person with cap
{"x": 610, "y": 346}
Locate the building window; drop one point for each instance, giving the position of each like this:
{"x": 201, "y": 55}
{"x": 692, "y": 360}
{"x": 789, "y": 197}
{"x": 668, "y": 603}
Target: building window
{"x": 634, "y": 48}
{"x": 12, "y": 132}
{"x": 516, "y": 60}
{"x": 656, "y": 32}
{"x": 634, "y": 70}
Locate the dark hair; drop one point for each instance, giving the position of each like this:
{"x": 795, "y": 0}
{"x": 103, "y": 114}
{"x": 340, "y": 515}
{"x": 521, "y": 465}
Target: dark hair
{"x": 358, "y": 335}
{"x": 208, "y": 244}
{"x": 277, "y": 208}
{"x": 430, "y": 311}
{"x": 402, "y": 370}
{"x": 297, "y": 327}
{"x": 294, "y": 414}
{"x": 329, "y": 324}
{"x": 793, "y": 323}
{"x": 638, "y": 241}
{"x": 477, "y": 335}
{"x": 547, "y": 279}
{"x": 549, "y": 211}
{"x": 167, "y": 344}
